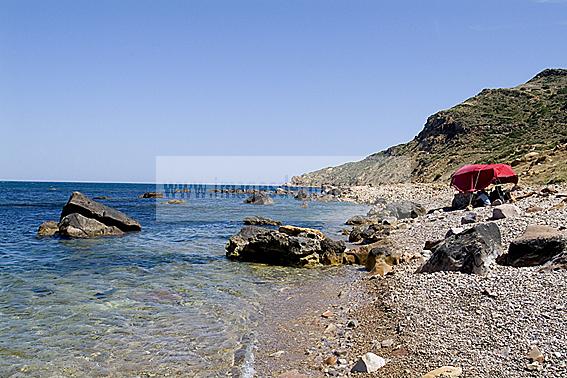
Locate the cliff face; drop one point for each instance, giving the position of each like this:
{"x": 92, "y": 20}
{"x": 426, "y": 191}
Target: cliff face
{"x": 525, "y": 126}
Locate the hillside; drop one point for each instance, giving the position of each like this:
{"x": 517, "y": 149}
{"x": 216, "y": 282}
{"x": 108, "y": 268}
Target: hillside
{"x": 525, "y": 126}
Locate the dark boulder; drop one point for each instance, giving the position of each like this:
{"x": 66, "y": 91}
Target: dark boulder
{"x": 260, "y": 221}
{"x": 78, "y": 226}
{"x": 471, "y": 251}
{"x": 295, "y": 247}
{"x": 259, "y": 199}
{"x": 537, "y": 246}
{"x": 81, "y": 204}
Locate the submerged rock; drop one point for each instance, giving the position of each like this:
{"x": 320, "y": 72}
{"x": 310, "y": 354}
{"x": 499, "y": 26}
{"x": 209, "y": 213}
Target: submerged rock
{"x": 152, "y": 195}
{"x": 48, "y": 228}
{"x": 295, "y": 247}
{"x": 471, "y": 251}
{"x": 81, "y": 204}
{"x": 261, "y": 221}
{"x": 259, "y": 199}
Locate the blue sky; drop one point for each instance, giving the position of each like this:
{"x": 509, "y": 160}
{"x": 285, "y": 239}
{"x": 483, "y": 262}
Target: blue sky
{"x": 96, "y": 90}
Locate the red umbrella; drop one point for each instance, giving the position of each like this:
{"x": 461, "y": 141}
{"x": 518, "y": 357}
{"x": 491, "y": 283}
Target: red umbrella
{"x": 478, "y": 176}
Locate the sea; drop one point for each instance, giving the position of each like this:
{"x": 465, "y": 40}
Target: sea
{"x": 160, "y": 302}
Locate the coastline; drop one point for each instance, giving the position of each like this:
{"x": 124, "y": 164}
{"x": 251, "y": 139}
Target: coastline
{"x": 485, "y": 325}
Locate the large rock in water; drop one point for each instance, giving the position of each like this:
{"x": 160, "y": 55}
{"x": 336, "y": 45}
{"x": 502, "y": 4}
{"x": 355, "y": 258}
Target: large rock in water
{"x": 399, "y": 210}
{"x": 537, "y": 246}
{"x": 77, "y": 226}
{"x": 471, "y": 251}
{"x": 81, "y": 204}
{"x": 268, "y": 246}
{"x": 259, "y": 199}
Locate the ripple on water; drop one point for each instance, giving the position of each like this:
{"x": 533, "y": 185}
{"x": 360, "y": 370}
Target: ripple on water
{"x": 161, "y": 301}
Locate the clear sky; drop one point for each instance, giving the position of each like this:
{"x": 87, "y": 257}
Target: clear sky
{"x": 96, "y": 90}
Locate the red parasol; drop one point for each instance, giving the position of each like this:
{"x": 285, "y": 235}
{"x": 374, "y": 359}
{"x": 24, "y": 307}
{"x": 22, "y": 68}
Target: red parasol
{"x": 478, "y": 176}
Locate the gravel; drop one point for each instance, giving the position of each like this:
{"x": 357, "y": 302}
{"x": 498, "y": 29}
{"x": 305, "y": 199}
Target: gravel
{"x": 486, "y": 325}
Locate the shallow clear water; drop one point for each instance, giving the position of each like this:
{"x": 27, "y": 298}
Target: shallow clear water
{"x": 161, "y": 301}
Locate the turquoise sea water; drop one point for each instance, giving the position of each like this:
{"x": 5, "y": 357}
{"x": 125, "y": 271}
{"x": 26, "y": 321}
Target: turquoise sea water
{"x": 163, "y": 301}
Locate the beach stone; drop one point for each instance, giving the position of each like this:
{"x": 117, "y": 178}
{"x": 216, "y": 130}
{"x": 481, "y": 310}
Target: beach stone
{"x": 77, "y": 226}
{"x": 360, "y": 254}
{"x": 152, "y": 195}
{"x": 462, "y": 200}
{"x": 537, "y": 246}
{"x": 80, "y": 204}
{"x": 469, "y": 218}
{"x": 383, "y": 254}
{"x": 445, "y": 371}
{"x": 471, "y": 251}
{"x": 331, "y": 360}
{"x": 292, "y": 374}
{"x": 504, "y": 211}
{"x": 368, "y": 363}
{"x": 454, "y": 231}
{"x": 48, "y": 228}
{"x": 259, "y": 199}
{"x": 261, "y": 221}
{"x": 536, "y": 355}
{"x": 400, "y": 210}
{"x": 534, "y": 209}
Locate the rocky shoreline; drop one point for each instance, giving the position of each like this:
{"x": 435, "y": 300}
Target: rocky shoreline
{"x": 509, "y": 322}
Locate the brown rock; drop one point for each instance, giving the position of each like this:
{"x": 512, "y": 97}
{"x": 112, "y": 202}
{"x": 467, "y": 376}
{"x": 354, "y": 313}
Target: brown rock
{"x": 302, "y": 231}
{"x": 48, "y": 228}
{"x": 445, "y": 371}
{"x": 536, "y": 355}
{"x": 331, "y": 360}
{"x": 292, "y": 374}
{"x": 327, "y": 314}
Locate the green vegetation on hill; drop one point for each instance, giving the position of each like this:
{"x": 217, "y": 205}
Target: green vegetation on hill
{"x": 525, "y": 126}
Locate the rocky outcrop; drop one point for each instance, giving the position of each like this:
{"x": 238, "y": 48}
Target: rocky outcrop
{"x": 471, "y": 251}
{"x": 82, "y": 217}
{"x": 507, "y": 124}
{"x": 259, "y": 199}
{"x": 260, "y": 221}
{"x": 81, "y": 204}
{"x": 288, "y": 246}
{"x": 537, "y": 246}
